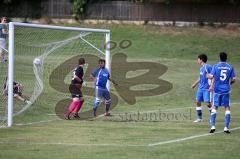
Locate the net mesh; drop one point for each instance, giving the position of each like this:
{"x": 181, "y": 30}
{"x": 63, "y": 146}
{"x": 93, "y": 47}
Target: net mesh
{"x": 43, "y": 64}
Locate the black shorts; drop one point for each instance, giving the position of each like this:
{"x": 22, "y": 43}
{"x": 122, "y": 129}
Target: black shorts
{"x": 75, "y": 90}
{"x": 16, "y": 92}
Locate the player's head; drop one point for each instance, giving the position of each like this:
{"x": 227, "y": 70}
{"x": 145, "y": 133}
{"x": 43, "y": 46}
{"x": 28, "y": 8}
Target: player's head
{"x": 4, "y": 20}
{"x": 81, "y": 61}
{"x": 101, "y": 63}
{"x": 202, "y": 58}
{"x": 223, "y": 56}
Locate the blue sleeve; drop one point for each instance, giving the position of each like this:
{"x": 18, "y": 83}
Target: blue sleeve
{"x": 213, "y": 71}
{"x": 95, "y": 72}
{"x": 209, "y": 69}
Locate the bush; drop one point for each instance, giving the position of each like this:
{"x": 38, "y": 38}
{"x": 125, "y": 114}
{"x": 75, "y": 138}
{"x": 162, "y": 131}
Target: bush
{"x": 79, "y": 9}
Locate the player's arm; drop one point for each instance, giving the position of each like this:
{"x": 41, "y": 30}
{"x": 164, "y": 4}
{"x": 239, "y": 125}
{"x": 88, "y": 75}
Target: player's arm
{"x": 211, "y": 88}
{"x": 76, "y": 75}
{"x": 77, "y": 78}
{"x": 233, "y": 77}
{"x": 195, "y": 83}
{"x": 113, "y": 81}
{"x": 93, "y": 75}
{"x": 233, "y": 81}
{"x": 209, "y": 76}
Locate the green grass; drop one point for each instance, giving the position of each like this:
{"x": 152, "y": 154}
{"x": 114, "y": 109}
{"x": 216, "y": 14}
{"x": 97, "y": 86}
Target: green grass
{"x": 118, "y": 137}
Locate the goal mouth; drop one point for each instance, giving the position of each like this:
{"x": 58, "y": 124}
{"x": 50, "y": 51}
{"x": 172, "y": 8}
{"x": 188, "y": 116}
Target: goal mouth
{"x": 37, "y": 51}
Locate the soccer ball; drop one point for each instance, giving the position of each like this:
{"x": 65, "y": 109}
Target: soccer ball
{"x": 37, "y": 61}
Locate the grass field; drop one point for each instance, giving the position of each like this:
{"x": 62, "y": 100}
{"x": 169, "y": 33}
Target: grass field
{"x": 156, "y": 126}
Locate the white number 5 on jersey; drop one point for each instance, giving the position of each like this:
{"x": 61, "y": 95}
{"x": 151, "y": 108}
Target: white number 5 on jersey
{"x": 223, "y": 75}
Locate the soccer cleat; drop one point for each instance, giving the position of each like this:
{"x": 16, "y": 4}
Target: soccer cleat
{"x": 107, "y": 114}
{"x": 226, "y": 130}
{"x": 198, "y": 121}
{"x": 66, "y": 116}
{"x": 28, "y": 102}
{"x": 212, "y": 130}
{"x": 76, "y": 116}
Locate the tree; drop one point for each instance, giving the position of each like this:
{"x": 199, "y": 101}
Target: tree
{"x": 79, "y": 8}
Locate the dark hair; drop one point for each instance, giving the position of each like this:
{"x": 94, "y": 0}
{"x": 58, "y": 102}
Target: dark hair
{"x": 203, "y": 57}
{"x": 223, "y": 56}
{"x": 81, "y": 61}
{"x": 4, "y": 18}
{"x": 101, "y": 60}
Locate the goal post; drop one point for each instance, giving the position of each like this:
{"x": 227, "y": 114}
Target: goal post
{"x": 51, "y": 48}
{"x": 10, "y": 75}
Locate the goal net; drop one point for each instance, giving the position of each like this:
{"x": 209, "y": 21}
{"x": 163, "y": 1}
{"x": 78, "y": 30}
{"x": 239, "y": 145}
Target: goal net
{"x": 41, "y": 61}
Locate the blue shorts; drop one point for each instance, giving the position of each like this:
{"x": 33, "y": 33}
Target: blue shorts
{"x": 203, "y": 95}
{"x": 102, "y": 93}
{"x": 221, "y": 100}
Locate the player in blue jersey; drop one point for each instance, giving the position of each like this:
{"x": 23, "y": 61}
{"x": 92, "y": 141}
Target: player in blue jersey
{"x": 224, "y": 76}
{"x": 3, "y": 36}
{"x": 101, "y": 76}
{"x": 203, "y": 93}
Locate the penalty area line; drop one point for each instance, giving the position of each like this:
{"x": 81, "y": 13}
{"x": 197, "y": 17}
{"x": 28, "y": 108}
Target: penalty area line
{"x": 37, "y": 122}
{"x": 71, "y": 144}
{"x": 188, "y": 138}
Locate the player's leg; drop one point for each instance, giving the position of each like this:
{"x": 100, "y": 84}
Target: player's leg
{"x": 17, "y": 93}
{"x": 207, "y": 99}
{"x": 3, "y": 57}
{"x": 98, "y": 97}
{"x": 75, "y": 100}
{"x": 79, "y": 106}
{"x": 19, "y": 97}
{"x": 107, "y": 98}
{"x": 199, "y": 99}
{"x": 216, "y": 104}
{"x": 226, "y": 103}
{"x": 73, "y": 105}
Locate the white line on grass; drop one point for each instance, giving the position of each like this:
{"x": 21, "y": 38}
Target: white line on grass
{"x": 71, "y": 144}
{"x": 37, "y": 122}
{"x": 118, "y": 145}
{"x": 188, "y": 138}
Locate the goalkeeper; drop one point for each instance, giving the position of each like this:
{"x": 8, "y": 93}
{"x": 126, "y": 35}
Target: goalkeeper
{"x": 17, "y": 91}
{"x": 75, "y": 89}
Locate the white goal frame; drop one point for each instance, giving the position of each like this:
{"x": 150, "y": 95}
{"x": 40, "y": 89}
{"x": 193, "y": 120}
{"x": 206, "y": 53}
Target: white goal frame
{"x": 12, "y": 25}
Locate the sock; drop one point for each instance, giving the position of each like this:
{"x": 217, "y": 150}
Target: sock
{"x": 227, "y": 118}
{"x": 213, "y": 117}
{"x": 96, "y": 103}
{"x": 79, "y": 106}
{"x": 95, "y": 106}
{"x": 199, "y": 112}
{"x": 73, "y": 106}
{"x": 210, "y": 109}
{"x": 107, "y": 104}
